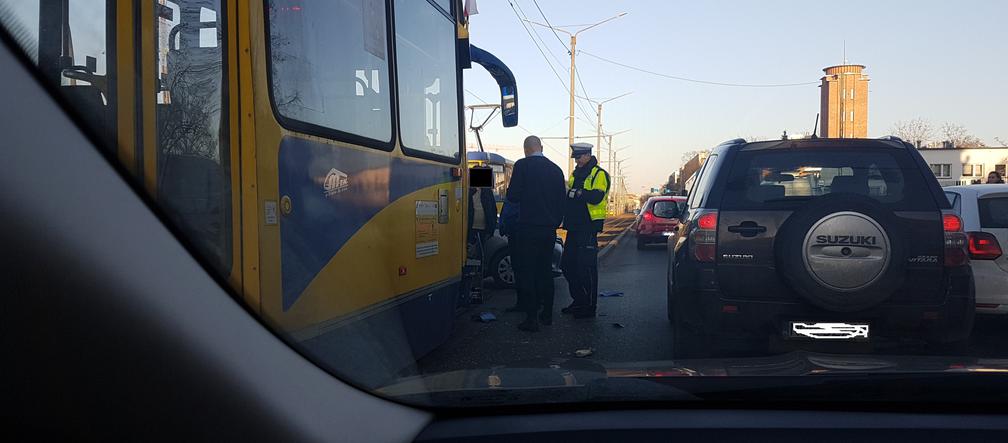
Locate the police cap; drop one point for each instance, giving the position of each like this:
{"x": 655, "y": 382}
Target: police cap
{"x": 579, "y": 149}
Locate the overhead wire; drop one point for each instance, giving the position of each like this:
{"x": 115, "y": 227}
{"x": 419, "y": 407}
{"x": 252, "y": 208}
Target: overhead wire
{"x": 535, "y": 41}
{"x": 693, "y": 80}
{"x": 577, "y": 75}
{"x": 543, "y": 14}
{"x": 484, "y": 102}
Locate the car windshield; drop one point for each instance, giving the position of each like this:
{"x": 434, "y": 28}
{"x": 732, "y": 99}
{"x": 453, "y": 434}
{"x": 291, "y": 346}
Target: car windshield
{"x": 314, "y": 156}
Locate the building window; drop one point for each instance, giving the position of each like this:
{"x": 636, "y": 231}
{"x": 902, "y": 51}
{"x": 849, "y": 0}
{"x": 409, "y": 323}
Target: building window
{"x": 852, "y": 116}
{"x": 942, "y": 170}
{"x": 973, "y": 170}
{"x": 1000, "y": 169}
{"x": 852, "y": 94}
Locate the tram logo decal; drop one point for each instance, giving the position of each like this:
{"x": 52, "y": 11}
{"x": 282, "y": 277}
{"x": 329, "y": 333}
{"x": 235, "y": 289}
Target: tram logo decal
{"x": 336, "y": 182}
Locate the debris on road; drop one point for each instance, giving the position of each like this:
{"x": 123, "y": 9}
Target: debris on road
{"x": 611, "y": 294}
{"x": 485, "y": 317}
{"x": 581, "y": 353}
{"x": 618, "y": 325}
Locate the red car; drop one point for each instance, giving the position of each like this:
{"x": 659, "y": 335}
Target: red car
{"x": 659, "y": 219}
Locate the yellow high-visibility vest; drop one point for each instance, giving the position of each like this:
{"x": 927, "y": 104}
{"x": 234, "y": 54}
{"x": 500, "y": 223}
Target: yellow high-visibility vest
{"x": 597, "y": 180}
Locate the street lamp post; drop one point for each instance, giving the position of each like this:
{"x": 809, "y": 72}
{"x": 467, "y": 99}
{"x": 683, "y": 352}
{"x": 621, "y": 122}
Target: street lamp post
{"x": 598, "y": 126}
{"x": 573, "y": 52}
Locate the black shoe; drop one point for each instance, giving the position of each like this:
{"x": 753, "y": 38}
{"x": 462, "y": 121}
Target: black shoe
{"x": 514, "y": 309}
{"x": 584, "y": 313}
{"x": 570, "y": 309}
{"x": 529, "y": 326}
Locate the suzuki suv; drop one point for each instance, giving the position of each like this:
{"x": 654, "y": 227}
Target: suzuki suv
{"x": 818, "y": 243}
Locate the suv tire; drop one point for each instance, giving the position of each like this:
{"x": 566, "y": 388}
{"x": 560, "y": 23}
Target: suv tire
{"x": 791, "y": 261}
{"x": 687, "y": 342}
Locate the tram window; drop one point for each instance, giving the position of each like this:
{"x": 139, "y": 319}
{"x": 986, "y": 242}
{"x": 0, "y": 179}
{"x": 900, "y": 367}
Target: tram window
{"x": 426, "y": 69}
{"x": 193, "y": 157}
{"x": 329, "y": 66}
{"x": 76, "y": 64}
{"x": 500, "y": 182}
{"x": 445, "y": 4}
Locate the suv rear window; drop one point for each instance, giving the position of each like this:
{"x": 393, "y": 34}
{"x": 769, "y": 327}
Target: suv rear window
{"x": 993, "y": 212}
{"x": 666, "y": 209}
{"x": 769, "y": 179}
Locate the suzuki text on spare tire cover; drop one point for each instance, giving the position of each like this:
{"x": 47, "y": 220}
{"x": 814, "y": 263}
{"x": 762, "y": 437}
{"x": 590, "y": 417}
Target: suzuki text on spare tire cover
{"x": 823, "y": 244}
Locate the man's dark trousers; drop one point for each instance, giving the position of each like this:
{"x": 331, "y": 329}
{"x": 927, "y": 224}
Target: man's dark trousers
{"x": 535, "y": 269}
{"x": 580, "y": 268}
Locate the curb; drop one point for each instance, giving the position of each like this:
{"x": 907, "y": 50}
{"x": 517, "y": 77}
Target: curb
{"x": 612, "y": 244}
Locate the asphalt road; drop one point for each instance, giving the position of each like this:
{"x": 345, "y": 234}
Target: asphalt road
{"x": 643, "y": 334}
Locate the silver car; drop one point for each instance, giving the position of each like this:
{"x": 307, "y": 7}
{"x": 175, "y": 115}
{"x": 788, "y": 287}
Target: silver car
{"x": 497, "y": 256}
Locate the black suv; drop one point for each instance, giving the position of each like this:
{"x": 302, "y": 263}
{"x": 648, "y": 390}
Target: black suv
{"x": 818, "y": 243}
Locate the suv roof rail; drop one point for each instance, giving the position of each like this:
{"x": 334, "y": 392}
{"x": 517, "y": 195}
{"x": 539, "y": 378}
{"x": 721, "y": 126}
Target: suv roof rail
{"x": 735, "y": 141}
{"x": 896, "y": 139}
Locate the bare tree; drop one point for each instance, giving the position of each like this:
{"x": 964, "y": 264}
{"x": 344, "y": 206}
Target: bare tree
{"x": 688, "y": 155}
{"x": 917, "y": 132}
{"x": 1000, "y": 141}
{"x": 958, "y": 137}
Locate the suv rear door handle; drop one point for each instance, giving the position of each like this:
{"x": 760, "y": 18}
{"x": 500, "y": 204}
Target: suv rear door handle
{"x": 747, "y": 229}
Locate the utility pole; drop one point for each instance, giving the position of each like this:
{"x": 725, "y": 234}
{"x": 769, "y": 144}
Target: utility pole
{"x": 571, "y": 86}
{"x": 620, "y": 189}
{"x": 598, "y": 126}
{"x": 570, "y": 132}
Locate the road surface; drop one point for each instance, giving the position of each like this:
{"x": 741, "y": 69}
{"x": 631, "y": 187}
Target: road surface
{"x": 644, "y": 333}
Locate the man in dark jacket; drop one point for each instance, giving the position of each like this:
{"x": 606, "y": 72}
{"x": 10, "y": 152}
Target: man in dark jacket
{"x": 584, "y": 215}
{"x": 537, "y": 184}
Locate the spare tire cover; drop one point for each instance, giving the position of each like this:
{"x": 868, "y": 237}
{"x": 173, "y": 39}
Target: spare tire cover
{"x": 839, "y": 252}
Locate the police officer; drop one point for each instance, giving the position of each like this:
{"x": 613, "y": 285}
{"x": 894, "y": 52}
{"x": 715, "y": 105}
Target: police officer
{"x": 584, "y": 215}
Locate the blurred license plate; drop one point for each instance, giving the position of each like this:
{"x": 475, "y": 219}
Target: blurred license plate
{"x": 668, "y": 233}
{"x": 828, "y": 331}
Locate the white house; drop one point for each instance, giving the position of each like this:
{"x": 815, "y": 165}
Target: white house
{"x": 966, "y": 165}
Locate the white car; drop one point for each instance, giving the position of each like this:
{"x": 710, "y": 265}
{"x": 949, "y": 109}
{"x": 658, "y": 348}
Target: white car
{"x": 984, "y": 212}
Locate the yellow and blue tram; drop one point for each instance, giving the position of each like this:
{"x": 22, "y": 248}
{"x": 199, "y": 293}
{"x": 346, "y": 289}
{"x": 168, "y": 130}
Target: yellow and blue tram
{"x": 309, "y": 151}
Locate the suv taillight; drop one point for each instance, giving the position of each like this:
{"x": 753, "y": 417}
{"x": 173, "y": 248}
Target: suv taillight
{"x": 983, "y": 246}
{"x": 705, "y": 237}
{"x": 955, "y": 241}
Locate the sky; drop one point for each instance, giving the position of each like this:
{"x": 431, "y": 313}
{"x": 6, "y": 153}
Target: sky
{"x": 938, "y": 60}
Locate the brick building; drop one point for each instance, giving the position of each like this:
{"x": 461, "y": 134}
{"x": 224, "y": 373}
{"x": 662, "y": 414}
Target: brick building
{"x": 844, "y": 102}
